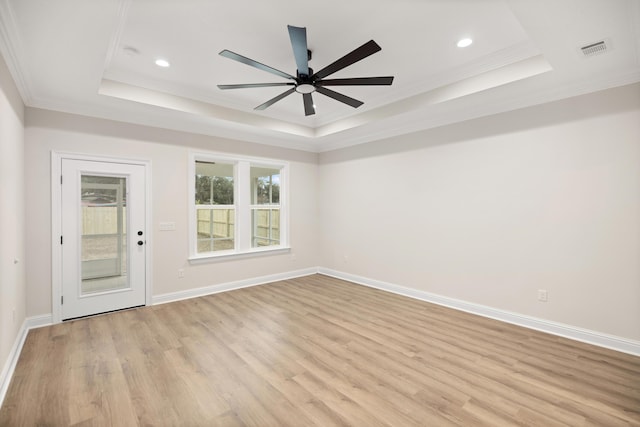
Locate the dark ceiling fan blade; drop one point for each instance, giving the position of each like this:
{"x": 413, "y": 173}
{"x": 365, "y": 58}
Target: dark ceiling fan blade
{"x": 309, "y": 109}
{"x": 255, "y": 64}
{"x": 369, "y": 48}
{"x": 339, "y": 97}
{"x": 357, "y": 81}
{"x": 250, "y": 85}
{"x": 298, "y": 36}
{"x": 274, "y": 100}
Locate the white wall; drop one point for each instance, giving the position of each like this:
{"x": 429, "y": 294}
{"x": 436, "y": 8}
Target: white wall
{"x": 491, "y": 210}
{"x": 12, "y": 275}
{"x": 168, "y": 152}
{"x": 487, "y": 211}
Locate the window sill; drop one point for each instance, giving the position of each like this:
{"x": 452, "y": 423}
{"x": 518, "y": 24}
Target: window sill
{"x": 203, "y": 259}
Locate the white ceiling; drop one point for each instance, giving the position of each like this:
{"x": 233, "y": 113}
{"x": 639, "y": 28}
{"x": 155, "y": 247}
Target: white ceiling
{"x": 97, "y": 58}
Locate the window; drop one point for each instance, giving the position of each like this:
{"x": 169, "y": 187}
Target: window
{"x": 237, "y": 206}
{"x": 215, "y": 210}
{"x": 265, "y": 206}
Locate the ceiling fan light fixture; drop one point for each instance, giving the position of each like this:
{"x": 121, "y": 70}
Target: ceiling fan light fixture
{"x": 305, "y": 88}
{"x": 464, "y": 42}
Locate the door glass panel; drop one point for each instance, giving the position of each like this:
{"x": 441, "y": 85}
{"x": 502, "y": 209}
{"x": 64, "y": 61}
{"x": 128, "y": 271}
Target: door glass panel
{"x": 104, "y": 233}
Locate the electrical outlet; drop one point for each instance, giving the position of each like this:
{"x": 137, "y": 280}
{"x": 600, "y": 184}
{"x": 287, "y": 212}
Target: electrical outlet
{"x": 181, "y": 273}
{"x": 543, "y": 296}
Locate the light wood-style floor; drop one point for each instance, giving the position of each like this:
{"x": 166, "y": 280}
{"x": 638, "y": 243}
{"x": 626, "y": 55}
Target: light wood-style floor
{"x": 314, "y": 351}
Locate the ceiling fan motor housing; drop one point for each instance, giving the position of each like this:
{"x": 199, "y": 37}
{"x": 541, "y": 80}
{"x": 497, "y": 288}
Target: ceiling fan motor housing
{"x": 304, "y": 83}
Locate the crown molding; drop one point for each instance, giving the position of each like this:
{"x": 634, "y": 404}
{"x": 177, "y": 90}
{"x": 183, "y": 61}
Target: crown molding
{"x": 114, "y": 41}
{"x": 499, "y": 59}
{"x": 508, "y": 56}
{"x": 11, "y": 49}
{"x": 531, "y": 97}
{"x": 634, "y": 13}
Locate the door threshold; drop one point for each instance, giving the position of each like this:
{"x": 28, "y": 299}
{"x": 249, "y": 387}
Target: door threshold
{"x": 102, "y": 313}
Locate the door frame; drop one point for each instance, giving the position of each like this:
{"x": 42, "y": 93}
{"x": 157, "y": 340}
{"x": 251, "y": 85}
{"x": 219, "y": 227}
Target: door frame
{"x": 56, "y": 223}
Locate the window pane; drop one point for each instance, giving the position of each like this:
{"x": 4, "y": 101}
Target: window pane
{"x": 266, "y": 227}
{"x": 104, "y": 233}
{"x": 265, "y": 183}
{"x": 214, "y": 183}
{"x": 216, "y": 229}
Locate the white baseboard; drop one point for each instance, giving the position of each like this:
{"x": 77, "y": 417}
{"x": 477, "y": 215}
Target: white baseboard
{"x": 229, "y": 286}
{"x": 567, "y": 331}
{"x": 47, "y": 319}
{"x": 12, "y": 360}
{"x": 38, "y": 321}
{"x": 578, "y": 334}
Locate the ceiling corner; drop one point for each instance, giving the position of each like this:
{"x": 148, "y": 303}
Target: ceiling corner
{"x": 635, "y": 27}
{"x": 11, "y": 50}
{"x": 114, "y": 41}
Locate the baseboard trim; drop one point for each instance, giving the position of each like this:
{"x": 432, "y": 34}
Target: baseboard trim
{"x": 230, "y": 286}
{"x": 38, "y": 321}
{"x": 567, "y": 331}
{"x": 12, "y": 360}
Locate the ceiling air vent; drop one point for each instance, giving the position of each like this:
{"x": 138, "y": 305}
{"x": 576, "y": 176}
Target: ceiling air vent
{"x": 594, "y": 48}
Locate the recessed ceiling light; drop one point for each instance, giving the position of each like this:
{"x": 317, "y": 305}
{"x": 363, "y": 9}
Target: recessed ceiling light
{"x": 162, "y": 63}
{"x": 464, "y": 42}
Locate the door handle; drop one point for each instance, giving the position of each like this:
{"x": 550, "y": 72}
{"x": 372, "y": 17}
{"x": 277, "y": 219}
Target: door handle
{"x": 140, "y": 243}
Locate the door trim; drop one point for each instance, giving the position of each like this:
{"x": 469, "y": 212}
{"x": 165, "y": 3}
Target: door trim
{"x": 56, "y": 223}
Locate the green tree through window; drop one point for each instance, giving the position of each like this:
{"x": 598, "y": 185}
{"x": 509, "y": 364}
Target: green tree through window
{"x": 214, "y": 190}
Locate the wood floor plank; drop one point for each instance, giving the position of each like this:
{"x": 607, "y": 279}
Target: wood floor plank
{"x": 314, "y": 351}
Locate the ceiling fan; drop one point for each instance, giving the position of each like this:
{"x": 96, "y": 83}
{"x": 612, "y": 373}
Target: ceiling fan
{"x": 306, "y": 81}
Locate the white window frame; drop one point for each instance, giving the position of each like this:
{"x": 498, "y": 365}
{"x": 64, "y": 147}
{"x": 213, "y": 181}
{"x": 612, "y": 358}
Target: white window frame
{"x": 242, "y": 205}
{"x": 255, "y": 207}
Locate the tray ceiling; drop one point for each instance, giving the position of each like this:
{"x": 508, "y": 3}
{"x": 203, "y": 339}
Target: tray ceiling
{"x": 98, "y": 59}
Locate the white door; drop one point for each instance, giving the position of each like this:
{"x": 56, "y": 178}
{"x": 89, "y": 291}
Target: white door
{"x": 103, "y": 237}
